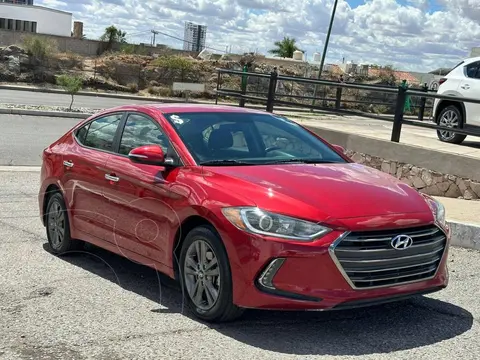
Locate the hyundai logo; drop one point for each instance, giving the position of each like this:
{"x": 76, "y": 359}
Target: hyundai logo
{"x": 401, "y": 242}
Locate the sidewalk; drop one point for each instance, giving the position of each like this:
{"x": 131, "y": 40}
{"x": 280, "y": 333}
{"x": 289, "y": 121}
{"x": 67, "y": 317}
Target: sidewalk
{"x": 466, "y": 211}
{"x": 382, "y": 130}
{"x": 463, "y": 217}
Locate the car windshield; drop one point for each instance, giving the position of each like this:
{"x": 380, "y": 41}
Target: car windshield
{"x": 236, "y": 139}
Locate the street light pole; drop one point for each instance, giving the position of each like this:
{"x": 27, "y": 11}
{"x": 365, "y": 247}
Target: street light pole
{"x": 322, "y": 61}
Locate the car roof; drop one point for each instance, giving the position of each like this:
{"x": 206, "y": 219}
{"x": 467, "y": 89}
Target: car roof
{"x": 169, "y": 108}
{"x": 472, "y": 59}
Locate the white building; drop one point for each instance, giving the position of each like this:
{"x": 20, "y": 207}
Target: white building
{"x": 35, "y": 19}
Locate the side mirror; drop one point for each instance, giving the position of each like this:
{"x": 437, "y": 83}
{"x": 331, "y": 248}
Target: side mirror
{"x": 150, "y": 155}
{"x": 339, "y": 148}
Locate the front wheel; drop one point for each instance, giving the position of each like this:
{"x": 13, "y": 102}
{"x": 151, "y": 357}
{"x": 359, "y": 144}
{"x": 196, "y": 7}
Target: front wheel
{"x": 206, "y": 278}
{"x": 451, "y": 117}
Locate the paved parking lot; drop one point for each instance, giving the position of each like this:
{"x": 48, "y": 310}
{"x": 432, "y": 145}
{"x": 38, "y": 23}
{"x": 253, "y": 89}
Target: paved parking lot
{"x": 96, "y": 305}
{"x": 23, "y": 138}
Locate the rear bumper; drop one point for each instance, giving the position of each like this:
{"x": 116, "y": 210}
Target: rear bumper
{"x": 309, "y": 277}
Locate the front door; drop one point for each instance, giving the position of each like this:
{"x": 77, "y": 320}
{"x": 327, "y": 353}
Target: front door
{"x": 141, "y": 198}
{"x": 469, "y": 87}
{"x": 84, "y": 160}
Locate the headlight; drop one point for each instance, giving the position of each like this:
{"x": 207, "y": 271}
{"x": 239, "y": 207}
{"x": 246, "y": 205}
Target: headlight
{"x": 257, "y": 221}
{"x": 438, "y": 210}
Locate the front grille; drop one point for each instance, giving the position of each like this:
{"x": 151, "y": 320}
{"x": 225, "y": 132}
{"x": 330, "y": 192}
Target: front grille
{"x": 368, "y": 259}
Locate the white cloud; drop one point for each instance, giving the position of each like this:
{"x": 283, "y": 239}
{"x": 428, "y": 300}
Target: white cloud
{"x": 411, "y": 36}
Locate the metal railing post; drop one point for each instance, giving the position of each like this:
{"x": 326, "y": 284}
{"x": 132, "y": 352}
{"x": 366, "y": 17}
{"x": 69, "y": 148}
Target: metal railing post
{"x": 399, "y": 108}
{"x": 338, "y": 98}
{"x": 423, "y": 102}
{"x": 243, "y": 87}
{"x": 271, "y": 90}
{"x": 218, "y": 87}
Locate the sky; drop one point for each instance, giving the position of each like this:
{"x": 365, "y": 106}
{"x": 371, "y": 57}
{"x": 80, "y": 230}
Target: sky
{"x": 411, "y": 35}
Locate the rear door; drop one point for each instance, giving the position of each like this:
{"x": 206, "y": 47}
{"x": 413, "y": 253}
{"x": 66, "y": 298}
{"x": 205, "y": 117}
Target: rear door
{"x": 142, "y": 198}
{"x": 470, "y": 87}
{"x": 84, "y": 161}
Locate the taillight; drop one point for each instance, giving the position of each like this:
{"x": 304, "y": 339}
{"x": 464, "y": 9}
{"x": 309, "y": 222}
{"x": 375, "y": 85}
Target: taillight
{"x": 441, "y": 81}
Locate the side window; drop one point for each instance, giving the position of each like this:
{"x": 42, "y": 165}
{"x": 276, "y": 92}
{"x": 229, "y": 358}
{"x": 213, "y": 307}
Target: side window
{"x": 139, "y": 131}
{"x": 101, "y": 132}
{"x": 82, "y": 133}
{"x": 472, "y": 70}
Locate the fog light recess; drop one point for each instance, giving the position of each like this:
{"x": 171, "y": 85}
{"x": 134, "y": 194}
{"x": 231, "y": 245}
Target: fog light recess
{"x": 266, "y": 278}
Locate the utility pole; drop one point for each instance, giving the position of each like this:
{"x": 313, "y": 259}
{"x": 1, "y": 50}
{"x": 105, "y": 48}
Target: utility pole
{"x": 325, "y": 48}
{"x": 154, "y": 33}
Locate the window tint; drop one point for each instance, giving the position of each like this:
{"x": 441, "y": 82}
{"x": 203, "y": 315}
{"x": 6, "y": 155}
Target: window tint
{"x": 101, "y": 132}
{"x": 252, "y": 138}
{"x": 82, "y": 133}
{"x": 472, "y": 70}
{"x": 275, "y": 137}
{"x": 139, "y": 131}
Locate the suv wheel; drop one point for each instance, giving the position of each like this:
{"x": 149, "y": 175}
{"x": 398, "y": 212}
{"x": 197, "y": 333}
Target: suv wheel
{"x": 450, "y": 117}
{"x": 206, "y": 278}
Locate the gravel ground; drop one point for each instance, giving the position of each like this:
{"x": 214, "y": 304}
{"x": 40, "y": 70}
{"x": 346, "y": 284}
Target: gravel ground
{"x": 49, "y": 108}
{"x": 96, "y": 305}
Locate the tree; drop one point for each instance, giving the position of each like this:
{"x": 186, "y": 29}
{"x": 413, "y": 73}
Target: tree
{"x": 71, "y": 84}
{"x": 285, "y": 48}
{"x": 113, "y": 35}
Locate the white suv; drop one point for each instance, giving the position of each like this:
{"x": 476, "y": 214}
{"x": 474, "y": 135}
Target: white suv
{"x": 462, "y": 81}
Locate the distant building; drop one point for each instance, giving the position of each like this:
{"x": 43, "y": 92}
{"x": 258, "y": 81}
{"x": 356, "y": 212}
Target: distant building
{"x": 34, "y": 19}
{"x": 18, "y": 2}
{"x": 475, "y": 52}
{"x": 349, "y": 68}
{"x": 194, "y": 37}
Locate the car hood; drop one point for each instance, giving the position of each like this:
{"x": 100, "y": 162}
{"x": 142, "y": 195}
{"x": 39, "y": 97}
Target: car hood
{"x": 329, "y": 190}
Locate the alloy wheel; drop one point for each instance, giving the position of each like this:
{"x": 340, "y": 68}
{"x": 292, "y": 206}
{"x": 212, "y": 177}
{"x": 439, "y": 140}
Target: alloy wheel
{"x": 448, "y": 119}
{"x": 56, "y": 225}
{"x": 202, "y": 275}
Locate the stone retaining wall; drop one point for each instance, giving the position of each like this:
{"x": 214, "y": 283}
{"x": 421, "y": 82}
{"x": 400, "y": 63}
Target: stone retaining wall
{"x": 426, "y": 181}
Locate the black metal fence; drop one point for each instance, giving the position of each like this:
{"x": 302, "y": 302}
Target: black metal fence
{"x": 394, "y": 99}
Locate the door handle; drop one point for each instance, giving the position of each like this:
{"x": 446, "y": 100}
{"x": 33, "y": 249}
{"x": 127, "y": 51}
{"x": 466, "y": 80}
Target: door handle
{"x": 465, "y": 87}
{"x": 68, "y": 164}
{"x": 111, "y": 177}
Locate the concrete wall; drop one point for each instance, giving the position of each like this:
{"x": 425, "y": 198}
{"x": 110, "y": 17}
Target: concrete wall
{"x": 49, "y": 21}
{"x": 79, "y": 46}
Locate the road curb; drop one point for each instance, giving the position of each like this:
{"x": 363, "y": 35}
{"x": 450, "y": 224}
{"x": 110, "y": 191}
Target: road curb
{"x": 465, "y": 235}
{"x": 101, "y": 94}
{"x": 63, "y": 114}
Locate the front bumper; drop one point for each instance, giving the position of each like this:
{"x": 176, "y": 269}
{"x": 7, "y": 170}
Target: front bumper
{"x": 328, "y": 275}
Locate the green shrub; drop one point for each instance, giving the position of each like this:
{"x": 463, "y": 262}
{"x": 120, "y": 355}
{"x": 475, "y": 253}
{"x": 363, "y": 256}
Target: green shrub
{"x": 133, "y": 49}
{"x": 71, "y": 84}
{"x": 133, "y": 87}
{"x": 160, "y": 91}
{"x": 174, "y": 64}
{"x": 39, "y": 47}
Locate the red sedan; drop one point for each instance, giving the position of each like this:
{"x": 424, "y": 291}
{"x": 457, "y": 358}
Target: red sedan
{"x": 246, "y": 209}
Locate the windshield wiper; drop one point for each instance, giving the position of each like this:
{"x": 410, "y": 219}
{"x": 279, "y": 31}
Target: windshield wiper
{"x": 225, "y": 162}
{"x": 303, "y": 161}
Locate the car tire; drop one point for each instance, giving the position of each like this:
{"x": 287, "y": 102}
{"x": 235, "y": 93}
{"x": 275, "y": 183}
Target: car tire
{"x": 58, "y": 226}
{"x": 202, "y": 248}
{"x": 450, "y": 116}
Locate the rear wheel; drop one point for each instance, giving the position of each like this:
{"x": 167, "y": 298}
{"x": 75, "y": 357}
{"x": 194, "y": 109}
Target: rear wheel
{"x": 58, "y": 227}
{"x": 451, "y": 117}
{"x": 206, "y": 278}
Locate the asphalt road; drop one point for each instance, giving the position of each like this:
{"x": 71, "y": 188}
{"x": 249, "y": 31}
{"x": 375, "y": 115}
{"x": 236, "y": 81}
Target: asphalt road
{"x": 38, "y": 98}
{"x": 23, "y": 138}
{"x": 96, "y": 305}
